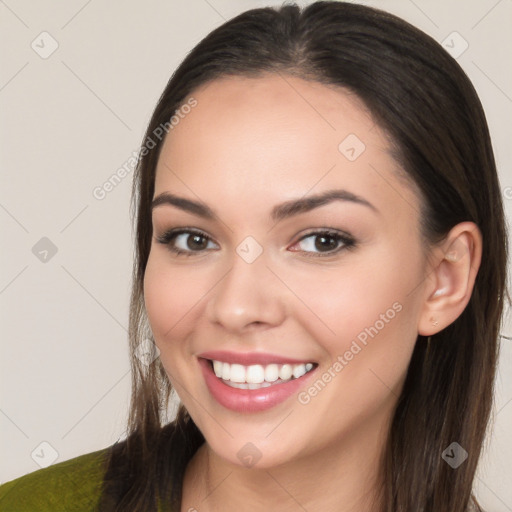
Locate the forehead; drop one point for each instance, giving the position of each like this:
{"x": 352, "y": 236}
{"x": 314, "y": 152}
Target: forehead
{"x": 276, "y": 137}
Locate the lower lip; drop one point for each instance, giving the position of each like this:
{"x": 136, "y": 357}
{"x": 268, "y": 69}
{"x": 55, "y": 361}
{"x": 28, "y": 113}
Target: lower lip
{"x": 249, "y": 400}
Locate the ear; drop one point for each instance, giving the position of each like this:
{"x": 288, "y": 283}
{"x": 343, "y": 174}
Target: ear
{"x": 449, "y": 284}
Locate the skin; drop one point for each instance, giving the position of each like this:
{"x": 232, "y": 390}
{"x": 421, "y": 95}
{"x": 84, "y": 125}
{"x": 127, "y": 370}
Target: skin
{"x": 248, "y": 145}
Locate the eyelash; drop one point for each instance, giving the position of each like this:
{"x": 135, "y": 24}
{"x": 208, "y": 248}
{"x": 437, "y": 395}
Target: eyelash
{"x": 348, "y": 241}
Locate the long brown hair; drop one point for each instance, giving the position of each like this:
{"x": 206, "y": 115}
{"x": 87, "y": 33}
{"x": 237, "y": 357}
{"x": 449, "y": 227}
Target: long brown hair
{"x": 430, "y": 110}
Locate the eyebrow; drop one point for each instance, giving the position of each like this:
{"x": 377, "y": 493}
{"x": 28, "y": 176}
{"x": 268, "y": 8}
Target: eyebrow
{"x": 278, "y": 213}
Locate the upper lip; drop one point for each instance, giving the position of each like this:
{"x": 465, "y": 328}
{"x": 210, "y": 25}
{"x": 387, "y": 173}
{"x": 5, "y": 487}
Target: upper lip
{"x": 250, "y": 358}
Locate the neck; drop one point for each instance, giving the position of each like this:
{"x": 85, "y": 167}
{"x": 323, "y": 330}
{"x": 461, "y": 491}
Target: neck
{"x": 345, "y": 477}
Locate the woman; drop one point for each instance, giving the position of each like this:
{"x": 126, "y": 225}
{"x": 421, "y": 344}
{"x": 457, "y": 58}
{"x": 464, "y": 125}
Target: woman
{"x": 321, "y": 260}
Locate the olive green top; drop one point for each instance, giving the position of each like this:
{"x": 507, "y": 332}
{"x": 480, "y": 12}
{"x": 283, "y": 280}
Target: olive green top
{"x": 70, "y": 486}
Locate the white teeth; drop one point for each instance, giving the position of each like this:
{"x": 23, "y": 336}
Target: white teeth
{"x": 285, "y": 372}
{"x": 245, "y": 385}
{"x": 226, "y": 371}
{"x": 257, "y": 375}
{"x": 271, "y": 373}
{"x": 299, "y": 370}
{"x": 217, "y": 368}
{"x": 237, "y": 373}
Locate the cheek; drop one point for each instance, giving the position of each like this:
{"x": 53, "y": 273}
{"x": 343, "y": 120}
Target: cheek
{"x": 372, "y": 314}
{"x": 172, "y": 297}
{"x": 342, "y": 303}
{"x": 365, "y": 322}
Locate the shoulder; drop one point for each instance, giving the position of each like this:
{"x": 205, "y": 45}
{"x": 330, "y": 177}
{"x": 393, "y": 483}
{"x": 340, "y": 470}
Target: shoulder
{"x": 74, "y": 484}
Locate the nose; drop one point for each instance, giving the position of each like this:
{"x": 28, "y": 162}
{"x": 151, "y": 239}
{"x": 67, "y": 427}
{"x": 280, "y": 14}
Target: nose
{"x": 249, "y": 296}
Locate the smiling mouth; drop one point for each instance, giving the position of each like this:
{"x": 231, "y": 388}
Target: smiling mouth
{"x": 258, "y": 376}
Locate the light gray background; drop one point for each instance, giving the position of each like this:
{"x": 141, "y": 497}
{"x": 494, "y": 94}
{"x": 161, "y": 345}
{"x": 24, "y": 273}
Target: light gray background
{"x": 69, "y": 121}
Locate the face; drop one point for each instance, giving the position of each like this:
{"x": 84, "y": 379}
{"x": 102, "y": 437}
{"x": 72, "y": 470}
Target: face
{"x": 268, "y": 288}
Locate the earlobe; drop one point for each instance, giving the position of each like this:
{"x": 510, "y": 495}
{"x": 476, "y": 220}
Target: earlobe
{"x": 450, "y": 283}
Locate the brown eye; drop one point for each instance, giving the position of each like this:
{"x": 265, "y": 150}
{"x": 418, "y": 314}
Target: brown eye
{"x": 325, "y": 243}
{"x": 195, "y": 242}
{"x": 186, "y": 242}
